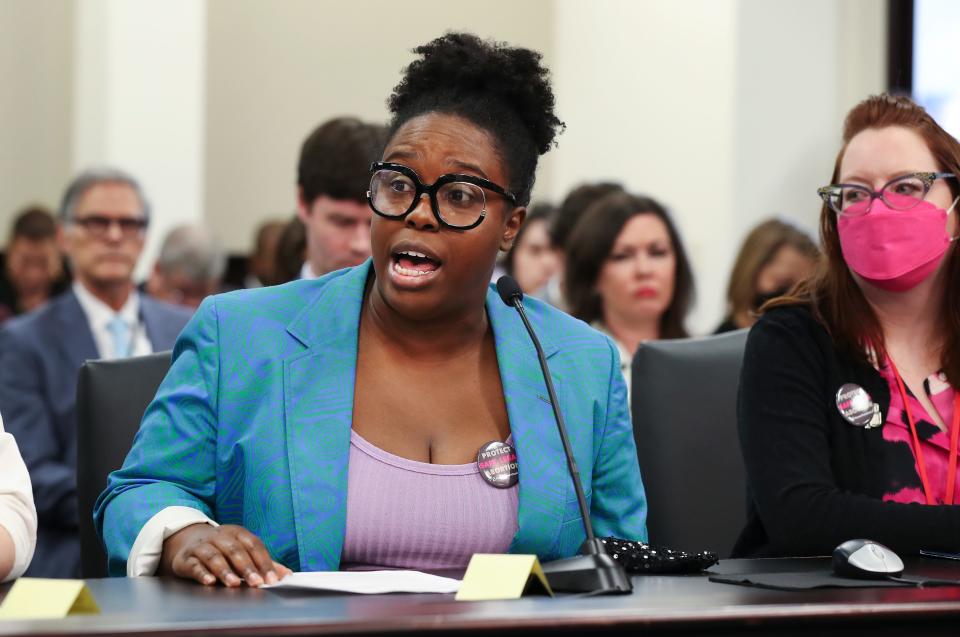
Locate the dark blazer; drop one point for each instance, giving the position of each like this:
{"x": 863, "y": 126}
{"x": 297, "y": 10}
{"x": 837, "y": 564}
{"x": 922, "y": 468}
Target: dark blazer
{"x": 815, "y": 480}
{"x": 40, "y": 356}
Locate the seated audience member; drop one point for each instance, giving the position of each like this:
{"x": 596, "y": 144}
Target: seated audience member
{"x": 332, "y": 179}
{"x": 566, "y": 217}
{"x": 848, "y": 401}
{"x": 774, "y": 257}
{"x": 103, "y": 218}
{"x": 262, "y": 264}
{"x": 291, "y": 251}
{"x": 532, "y": 260}
{"x": 627, "y": 273}
{"x": 189, "y": 269}
{"x": 18, "y": 516}
{"x": 33, "y": 266}
{"x": 336, "y": 424}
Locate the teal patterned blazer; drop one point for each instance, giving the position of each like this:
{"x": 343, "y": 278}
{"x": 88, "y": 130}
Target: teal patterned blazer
{"x": 252, "y": 425}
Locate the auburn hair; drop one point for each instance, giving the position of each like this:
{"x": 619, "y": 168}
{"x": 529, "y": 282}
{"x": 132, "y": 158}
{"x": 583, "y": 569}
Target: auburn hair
{"x": 831, "y": 293}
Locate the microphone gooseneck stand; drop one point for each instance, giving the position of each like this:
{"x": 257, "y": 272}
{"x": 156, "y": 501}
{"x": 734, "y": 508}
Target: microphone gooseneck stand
{"x": 592, "y": 571}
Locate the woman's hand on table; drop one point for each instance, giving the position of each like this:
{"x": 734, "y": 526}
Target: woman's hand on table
{"x": 229, "y": 554}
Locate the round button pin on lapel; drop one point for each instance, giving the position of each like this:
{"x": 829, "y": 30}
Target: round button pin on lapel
{"x": 855, "y": 405}
{"x": 497, "y": 462}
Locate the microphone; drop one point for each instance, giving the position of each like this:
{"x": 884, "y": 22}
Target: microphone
{"x": 593, "y": 571}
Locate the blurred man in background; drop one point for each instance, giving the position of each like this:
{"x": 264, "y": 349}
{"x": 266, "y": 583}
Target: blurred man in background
{"x": 333, "y": 175}
{"x": 189, "y": 269}
{"x": 104, "y": 218}
{"x": 33, "y": 265}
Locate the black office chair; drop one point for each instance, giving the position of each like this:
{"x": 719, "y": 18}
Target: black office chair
{"x": 111, "y": 398}
{"x": 684, "y": 397}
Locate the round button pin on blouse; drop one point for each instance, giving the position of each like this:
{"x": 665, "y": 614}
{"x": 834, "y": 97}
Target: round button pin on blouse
{"x": 497, "y": 462}
{"x": 855, "y": 405}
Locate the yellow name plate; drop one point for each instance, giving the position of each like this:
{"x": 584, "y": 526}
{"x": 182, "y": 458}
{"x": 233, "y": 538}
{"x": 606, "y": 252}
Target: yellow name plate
{"x": 37, "y": 598}
{"x": 494, "y": 576}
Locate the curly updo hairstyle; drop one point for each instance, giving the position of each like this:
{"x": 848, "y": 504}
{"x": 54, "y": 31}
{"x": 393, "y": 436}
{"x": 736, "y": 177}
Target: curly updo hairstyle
{"x": 502, "y": 89}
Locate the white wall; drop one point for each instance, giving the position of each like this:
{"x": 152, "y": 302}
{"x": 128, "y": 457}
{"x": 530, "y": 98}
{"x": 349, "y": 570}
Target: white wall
{"x": 139, "y": 102}
{"x": 36, "y": 41}
{"x": 801, "y": 67}
{"x": 274, "y": 75}
{"x": 727, "y": 111}
{"x": 650, "y": 103}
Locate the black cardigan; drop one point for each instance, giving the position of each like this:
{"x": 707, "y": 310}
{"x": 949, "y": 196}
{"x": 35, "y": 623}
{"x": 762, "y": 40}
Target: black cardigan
{"x": 814, "y": 480}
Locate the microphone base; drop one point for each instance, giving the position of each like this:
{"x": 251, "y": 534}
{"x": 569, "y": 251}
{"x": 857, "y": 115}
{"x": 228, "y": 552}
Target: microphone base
{"x": 596, "y": 573}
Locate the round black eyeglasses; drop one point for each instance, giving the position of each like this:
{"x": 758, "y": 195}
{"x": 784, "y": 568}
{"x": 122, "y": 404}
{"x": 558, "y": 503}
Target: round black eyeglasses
{"x": 457, "y": 201}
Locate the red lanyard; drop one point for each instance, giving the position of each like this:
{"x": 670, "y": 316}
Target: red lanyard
{"x": 918, "y": 451}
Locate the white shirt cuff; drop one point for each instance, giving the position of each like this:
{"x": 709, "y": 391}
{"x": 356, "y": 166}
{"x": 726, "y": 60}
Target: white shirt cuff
{"x": 144, "y": 557}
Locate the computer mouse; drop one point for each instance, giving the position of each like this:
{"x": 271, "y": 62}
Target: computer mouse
{"x": 866, "y": 559}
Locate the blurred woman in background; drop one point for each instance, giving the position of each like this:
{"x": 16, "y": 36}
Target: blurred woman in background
{"x": 627, "y": 273}
{"x": 532, "y": 260}
{"x": 571, "y": 210}
{"x": 291, "y": 251}
{"x": 773, "y": 258}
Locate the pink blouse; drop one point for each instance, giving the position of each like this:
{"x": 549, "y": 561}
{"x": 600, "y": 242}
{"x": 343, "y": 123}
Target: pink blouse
{"x": 905, "y": 484}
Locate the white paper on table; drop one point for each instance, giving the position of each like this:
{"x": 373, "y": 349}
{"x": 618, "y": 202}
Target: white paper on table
{"x": 370, "y": 582}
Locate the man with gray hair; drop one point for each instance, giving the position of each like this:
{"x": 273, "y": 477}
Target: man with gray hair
{"x": 103, "y": 221}
{"x": 189, "y": 269}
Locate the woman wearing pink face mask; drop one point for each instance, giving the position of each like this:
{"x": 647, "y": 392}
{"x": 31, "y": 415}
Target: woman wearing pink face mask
{"x": 848, "y": 403}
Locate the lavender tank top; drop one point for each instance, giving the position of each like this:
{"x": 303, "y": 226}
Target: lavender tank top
{"x": 415, "y": 515}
